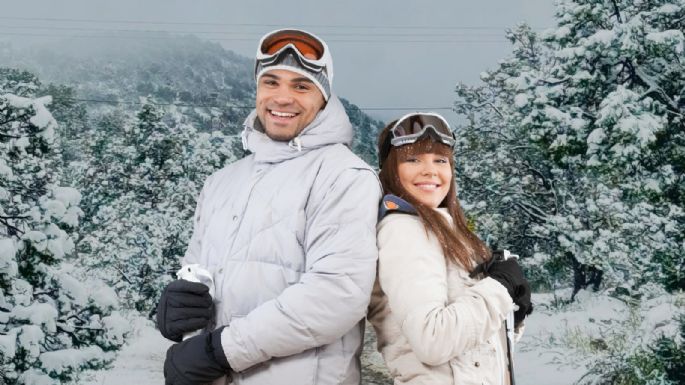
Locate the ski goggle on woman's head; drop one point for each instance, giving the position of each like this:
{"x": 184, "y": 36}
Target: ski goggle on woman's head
{"x": 310, "y": 52}
{"x": 412, "y": 127}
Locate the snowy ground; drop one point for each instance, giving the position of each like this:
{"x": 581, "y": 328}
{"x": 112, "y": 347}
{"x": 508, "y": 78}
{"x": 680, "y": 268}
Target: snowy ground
{"x": 139, "y": 362}
{"x": 540, "y": 357}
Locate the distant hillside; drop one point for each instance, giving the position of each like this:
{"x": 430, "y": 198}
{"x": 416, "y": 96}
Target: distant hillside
{"x": 211, "y": 86}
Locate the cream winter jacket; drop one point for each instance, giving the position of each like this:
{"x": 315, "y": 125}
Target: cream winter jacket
{"x": 434, "y": 324}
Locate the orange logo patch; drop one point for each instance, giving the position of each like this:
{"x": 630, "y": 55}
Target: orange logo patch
{"x": 391, "y": 205}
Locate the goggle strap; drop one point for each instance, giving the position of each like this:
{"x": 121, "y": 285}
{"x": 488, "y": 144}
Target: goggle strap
{"x": 384, "y": 151}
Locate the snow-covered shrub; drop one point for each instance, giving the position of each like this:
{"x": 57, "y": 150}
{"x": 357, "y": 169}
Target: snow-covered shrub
{"x": 50, "y": 321}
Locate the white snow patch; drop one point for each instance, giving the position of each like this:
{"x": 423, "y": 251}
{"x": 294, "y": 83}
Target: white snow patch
{"x": 70, "y": 359}
{"x": 562, "y": 32}
{"x": 67, "y": 195}
{"x": 35, "y": 377}
{"x": 43, "y": 118}
{"x": 521, "y": 100}
{"x": 30, "y": 337}
{"x": 55, "y": 208}
{"x": 7, "y": 251}
{"x": 117, "y": 328}
{"x": 18, "y": 101}
{"x": 5, "y": 171}
{"x": 105, "y": 296}
{"x": 642, "y": 126}
{"x": 596, "y": 136}
{"x": 37, "y": 238}
{"x": 20, "y": 143}
{"x": 139, "y": 362}
{"x": 74, "y": 288}
{"x": 668, "y": 8}
{"x": 653, "y": 185}
{"x": 578, "y": 124}
{"x": 666, "y": 37}
{"x": 603, "y": 37}
{"x": 42, "y": 314}
{"x": 8, "y": 345}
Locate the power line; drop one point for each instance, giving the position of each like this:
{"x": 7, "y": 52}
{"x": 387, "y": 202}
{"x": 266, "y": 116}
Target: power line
{"x": 250, "y": 39}
{"x": 256, "y": 35}
{"x": 403, "y": 108}
{"x": 123, "y": 21}
{"x": 105, "y": 101}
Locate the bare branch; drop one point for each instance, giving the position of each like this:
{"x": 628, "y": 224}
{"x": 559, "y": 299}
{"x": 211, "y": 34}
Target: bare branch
{"x": 554, "y": 82}
{"x": 492, "y": 105}
{"x": 15, "y": 229}
{"x": 657, "y": 91}
{"x": 617, "y": 13}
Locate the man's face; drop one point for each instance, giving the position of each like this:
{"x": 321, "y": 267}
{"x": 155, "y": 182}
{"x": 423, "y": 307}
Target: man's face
{"x": 286, "y": 103}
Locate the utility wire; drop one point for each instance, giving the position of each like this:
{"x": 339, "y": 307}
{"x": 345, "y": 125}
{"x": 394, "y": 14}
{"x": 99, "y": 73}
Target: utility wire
{"x": 256, "y": 35}
{"x": 234, "y": 106}
{"x": 251, "y": 39}
{"x": 123, "y": 21}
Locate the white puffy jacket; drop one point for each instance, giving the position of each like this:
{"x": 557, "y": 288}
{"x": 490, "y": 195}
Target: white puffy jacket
{"x": 288, "y": 234}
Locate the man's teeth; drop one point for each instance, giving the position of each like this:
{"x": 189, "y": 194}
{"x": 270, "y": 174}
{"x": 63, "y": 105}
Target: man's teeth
{"x": 283, "y": 114}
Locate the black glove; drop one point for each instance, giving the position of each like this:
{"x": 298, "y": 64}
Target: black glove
{"x": 522, "y": 299}
{"x": 184, "y": 307}
{"x": 197, "y": 360}
{"x": 509, "y": 274}
{"x": 483, "y": 268}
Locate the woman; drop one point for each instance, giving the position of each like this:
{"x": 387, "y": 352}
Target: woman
{"x": 436, "y": 324}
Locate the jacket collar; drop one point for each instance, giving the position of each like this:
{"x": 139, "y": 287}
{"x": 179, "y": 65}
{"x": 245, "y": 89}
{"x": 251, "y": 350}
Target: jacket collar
{"x": 330, "y": 126}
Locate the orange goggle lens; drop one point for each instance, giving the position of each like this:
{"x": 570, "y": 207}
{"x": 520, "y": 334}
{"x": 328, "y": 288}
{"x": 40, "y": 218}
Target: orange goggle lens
{"x": 309, "y": 46}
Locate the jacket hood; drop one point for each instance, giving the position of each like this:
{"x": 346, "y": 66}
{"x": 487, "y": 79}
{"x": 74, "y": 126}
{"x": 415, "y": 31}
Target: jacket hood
{"x": 330, "y": 126}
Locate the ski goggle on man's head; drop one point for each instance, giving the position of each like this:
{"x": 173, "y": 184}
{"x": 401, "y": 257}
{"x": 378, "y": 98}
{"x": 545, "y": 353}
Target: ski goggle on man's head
{"x": 298, "y": 51}
{"x": 412, "y": 127}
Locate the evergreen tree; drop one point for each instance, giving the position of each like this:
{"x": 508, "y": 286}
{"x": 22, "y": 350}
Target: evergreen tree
{"x": 52, "y": 325}
{"x": 578, "y": 143}
{"x": 365, "y": 135}
{"x": 142, "y": 223}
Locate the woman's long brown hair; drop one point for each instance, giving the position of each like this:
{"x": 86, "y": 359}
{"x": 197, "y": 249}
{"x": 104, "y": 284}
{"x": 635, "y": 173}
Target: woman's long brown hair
{"x": 459, "y": 244}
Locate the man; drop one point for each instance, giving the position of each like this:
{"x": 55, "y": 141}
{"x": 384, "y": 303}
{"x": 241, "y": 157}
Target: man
{"x": 288, "y": 234}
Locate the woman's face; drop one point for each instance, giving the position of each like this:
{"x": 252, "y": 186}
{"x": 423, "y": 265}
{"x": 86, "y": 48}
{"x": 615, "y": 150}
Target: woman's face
{"x": 426, "y": 177}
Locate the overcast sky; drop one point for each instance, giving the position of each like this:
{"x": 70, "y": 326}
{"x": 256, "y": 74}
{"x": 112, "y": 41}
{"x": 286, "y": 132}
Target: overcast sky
{"x": 387, "y": 54}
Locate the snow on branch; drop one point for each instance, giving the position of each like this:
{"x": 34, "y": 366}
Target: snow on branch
{"x": 655, "y": 89}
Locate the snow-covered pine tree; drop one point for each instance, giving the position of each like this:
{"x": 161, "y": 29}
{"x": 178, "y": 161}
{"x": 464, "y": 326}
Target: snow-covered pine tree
{"x": 585, "y": 124}
{"x": 103, "y": 166}
{"x": 366, "y": 133}
{"x": 52, "y": 325}
{"x": 504, "y": 180}
{"x": 144, "y": 201}
{"x": 73, "y": 120}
